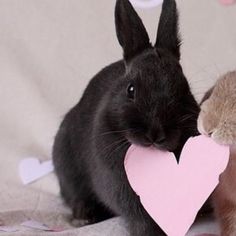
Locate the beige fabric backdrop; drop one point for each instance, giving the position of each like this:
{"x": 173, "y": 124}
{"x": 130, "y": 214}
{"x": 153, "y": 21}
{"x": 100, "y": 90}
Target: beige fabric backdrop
{"x": 49, "y": 50}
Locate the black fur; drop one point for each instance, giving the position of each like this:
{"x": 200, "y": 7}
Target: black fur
{"x": 168, "y": 34}
{"x": 93, "y": 138}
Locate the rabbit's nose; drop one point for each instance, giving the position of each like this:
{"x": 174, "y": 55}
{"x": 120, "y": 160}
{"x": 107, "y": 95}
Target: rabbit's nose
{"x": 156, "y": 137}
{"x": 210, "y": 133}
{"x": 161, "y": 139}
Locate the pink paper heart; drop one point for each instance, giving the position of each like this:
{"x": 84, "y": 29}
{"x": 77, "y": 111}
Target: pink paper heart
{"x": 173, "y": 193}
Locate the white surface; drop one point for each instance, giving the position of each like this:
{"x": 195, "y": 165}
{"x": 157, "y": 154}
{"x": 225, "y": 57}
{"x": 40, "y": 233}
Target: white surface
{"x": 146, "y": 3}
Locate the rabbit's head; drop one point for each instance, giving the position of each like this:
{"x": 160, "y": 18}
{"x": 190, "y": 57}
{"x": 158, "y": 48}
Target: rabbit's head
{"x": 152, "y": 101}
{"x": 218, "y": 111}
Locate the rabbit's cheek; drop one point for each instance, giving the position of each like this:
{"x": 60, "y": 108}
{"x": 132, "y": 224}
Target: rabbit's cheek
{"x": 223, "y": 136}
{"x": 229, "y": 132}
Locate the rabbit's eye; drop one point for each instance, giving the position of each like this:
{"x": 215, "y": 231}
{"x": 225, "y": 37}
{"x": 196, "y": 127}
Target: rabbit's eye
{"x": 130, "y": 91}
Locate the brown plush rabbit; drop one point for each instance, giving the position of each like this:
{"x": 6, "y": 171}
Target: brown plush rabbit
{"x": 218, "y": 120}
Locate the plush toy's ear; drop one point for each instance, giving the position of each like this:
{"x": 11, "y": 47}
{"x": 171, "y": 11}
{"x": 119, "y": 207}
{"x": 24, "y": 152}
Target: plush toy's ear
{"x": 168, "y": 31}
{"x": 130, "y": 30}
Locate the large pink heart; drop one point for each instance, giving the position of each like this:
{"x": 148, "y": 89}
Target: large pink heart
{"x": 173, "y": 193}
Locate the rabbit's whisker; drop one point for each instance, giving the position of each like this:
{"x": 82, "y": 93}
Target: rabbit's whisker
{"x": 187, "y": 117}
{"x": 110, "y": 132}
{"x": 120, "y": 145}
{"x": 111, "y": 145}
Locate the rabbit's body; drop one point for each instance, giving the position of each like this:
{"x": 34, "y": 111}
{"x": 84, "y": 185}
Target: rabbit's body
{"x": 218, "y": 120}
{"x": 94, "y": 188}
{"x": 77, "y": 133}
{"x": 143, "y": 99}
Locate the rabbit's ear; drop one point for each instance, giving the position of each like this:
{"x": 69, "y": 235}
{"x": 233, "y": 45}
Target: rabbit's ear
{"x": 130, "y": 30}
{"x": 168, "y": 30}
{"x": 207, "y": 95}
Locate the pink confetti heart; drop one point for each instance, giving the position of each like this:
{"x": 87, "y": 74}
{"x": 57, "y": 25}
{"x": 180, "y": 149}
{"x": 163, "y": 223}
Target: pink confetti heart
{"x": 9, "y": 229}
{"x": 227, "y": 2}
{"x": 40, "y": 226}
{"x": 173, "y": 193}
{"x": 206, "y": 235}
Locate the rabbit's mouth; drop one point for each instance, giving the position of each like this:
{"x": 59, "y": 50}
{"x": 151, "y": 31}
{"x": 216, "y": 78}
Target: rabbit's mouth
{"x": 169, "y": 143}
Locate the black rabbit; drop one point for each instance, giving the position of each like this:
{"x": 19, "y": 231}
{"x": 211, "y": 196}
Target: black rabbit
{"x": 143, "y": 99}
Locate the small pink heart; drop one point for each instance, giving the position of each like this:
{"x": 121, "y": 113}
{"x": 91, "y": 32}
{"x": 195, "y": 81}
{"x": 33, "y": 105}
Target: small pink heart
{"x": 206, "y": 235}
{"x": 173, "y": 193}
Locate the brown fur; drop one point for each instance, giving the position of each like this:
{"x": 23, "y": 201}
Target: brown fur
{"x": 218, "y": 120}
